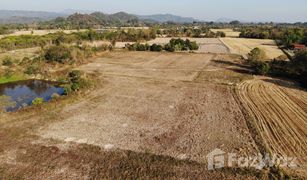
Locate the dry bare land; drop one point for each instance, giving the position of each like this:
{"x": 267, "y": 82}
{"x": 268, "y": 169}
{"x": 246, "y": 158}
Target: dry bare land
{"x": 155, "y": 115}
{"x": 243, "y": 46}
{"x": 228, "y": 32}
{"x": 279, "y": 111}
{"x": 206, "y": 45}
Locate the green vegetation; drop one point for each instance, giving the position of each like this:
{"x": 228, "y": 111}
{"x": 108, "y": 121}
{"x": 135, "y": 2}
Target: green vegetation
{"x": 59, "y": 54}
{"x": 286, "y": 36}
{"x": 7, "y": 61}
{"x": 173, "y": 45}
{"x": 37, "y": 101}
{"x": 181, "y": 45}
{"x": 11, "y": 78}
{"x": 295, "y": 69}
{"x": 257, "y": 55}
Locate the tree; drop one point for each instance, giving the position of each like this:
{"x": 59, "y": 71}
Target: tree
{"x": 58, "y": 54}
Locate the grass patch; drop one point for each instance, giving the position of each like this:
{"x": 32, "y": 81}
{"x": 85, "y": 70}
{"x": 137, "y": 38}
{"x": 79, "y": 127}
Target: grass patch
{"x": 12, "y": 78}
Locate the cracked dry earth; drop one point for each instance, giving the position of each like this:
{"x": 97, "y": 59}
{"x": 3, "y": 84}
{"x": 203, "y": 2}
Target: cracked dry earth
{"x": 155, "y": 115}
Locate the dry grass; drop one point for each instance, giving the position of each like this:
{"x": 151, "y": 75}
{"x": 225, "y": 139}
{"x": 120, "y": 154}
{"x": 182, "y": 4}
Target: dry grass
{"x": 228, "y": 32}
{"x": 40, "y": 32}
{"x": 243, "y": 46}
{"x": 279, "y": 111}
{"x": 18, "y": 55}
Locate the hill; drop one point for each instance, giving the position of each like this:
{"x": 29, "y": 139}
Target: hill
{"x": 162, "y": 18}
{"x": 17, "y": 16}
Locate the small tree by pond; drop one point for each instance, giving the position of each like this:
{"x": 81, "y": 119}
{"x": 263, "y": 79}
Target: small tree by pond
{"x": 37, "y": 101}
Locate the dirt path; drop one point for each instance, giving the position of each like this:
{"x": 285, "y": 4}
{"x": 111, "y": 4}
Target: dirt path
{"x": 280, "y": 115}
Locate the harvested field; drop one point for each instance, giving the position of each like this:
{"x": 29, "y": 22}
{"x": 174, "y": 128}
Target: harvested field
{"x": 150, "y": 102}
{"x": 152, "y": 116}
{"x": 228, "y": 32}
{"x": 40, "y": 32}
{"x": 243, "y": 46}
{"x": 207, "y": 45}
{"x": 279, "y": 112}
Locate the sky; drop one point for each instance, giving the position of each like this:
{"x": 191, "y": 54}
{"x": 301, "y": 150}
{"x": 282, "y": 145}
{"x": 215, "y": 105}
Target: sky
{"x": 209, "y": 10}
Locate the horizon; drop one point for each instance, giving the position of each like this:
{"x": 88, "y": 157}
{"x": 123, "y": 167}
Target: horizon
{"x": 254, "y": 11}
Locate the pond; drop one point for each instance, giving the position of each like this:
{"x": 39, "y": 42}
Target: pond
{"x": 22, "y": 93}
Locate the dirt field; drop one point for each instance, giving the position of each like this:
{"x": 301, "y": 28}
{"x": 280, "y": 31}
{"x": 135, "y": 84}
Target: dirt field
{"x": 207, "y": 45}
{"x": 155, "y": 115}
{"x": 279, "y": 111}
{"x": 243, "y": 46}
{"x": 228, "y": 32}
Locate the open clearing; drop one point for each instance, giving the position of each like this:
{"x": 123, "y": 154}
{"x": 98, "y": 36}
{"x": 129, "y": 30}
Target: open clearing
{"x": 279, "y": 111}
{"x": 154, "y": 115}
{"x": 228, "y": 32}
{"x": 243, "y": 46}
{"x": 150, "y": 102}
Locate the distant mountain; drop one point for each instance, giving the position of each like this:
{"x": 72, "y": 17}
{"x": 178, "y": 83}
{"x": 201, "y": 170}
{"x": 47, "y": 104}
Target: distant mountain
{"x": 162, "y": 18}
{"x": 82, "y": 16}
{"x": 17, "y": 16}
{"x": 224, "y": 20}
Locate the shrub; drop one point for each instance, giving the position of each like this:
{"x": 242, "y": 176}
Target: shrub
{"x": 7, "y": 61}
{"x": 67, "y": 89}
{"x": 156, "y": 47}
{"x": 256, "y": 55}
{"x": 74, "y": 76}
{"x": 75, "y": 86}
{"x": 59, "y": 54}
{"x": 31, "y": 70}
{"x": 37, "y": 101}
{"x": 55, "y": 96}
{"x": 262, "y": 68}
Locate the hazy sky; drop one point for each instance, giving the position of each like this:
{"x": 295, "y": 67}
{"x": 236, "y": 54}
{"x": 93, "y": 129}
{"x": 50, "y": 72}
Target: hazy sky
{"x": 246, "y": 10}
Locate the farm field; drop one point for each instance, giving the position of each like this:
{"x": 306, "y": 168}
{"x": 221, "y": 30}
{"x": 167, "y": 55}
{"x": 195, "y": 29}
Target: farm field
{"x": 243, "y": 46}
{"x": 279, "y": 111}
{"x": 39, "y": 32}
{"x": 228, "y": 32}
{"x": 206, "y": 45}
{"x": 151, "y": 111}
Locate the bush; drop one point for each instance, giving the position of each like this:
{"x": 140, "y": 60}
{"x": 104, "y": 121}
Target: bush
{"x": 74, "y": 76}
{"x": 256, "y": 55}
{"x": 7, "y": 61}
{"x": 37, "y": 101}
{"x": 31, "y": 70}
{"x": 59, "y": 54}
{"x": 67, "y": 89}
{"x": 262, "y": 68}
{"x": 156, "y": 47}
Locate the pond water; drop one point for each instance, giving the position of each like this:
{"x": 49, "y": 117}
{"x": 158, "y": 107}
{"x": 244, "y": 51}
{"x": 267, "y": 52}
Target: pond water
{"x": 22, "y": 93}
